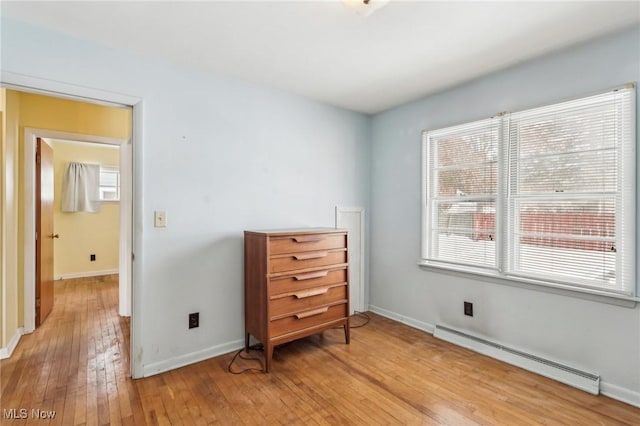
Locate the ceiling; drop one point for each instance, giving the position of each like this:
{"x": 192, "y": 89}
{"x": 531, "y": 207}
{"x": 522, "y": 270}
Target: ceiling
{"x": 326, "y": 51}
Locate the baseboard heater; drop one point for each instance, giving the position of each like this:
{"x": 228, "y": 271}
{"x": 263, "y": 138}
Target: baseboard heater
{"x": 585, "y": 381}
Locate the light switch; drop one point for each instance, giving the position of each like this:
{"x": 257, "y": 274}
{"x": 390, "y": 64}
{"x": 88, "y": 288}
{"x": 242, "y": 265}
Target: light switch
{"x": 160, "y": 219}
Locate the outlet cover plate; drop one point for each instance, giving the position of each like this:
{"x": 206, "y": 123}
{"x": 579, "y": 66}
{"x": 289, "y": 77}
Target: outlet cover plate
{"x": 194, "y": 320}
{"x": 468, "y": 309}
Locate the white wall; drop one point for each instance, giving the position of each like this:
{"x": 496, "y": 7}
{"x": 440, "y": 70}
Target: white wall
{"x": 594, "y": 336}
{"x": 219, "y": 156}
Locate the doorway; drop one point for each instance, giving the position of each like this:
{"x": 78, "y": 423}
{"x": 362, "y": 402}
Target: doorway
{"x": 77, "y": 215}
{"x": 129, "y": 208}
{"x": 73, "y": 119}
{"x": 31, "y": 136}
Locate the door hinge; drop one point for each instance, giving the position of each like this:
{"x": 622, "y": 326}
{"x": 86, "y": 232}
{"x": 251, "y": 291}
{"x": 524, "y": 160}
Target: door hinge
{"x": 37, "y": 158}
{"x": 133, "y": 257}
{"x": 36, "y": 235}
{"x": 37, "y": 302}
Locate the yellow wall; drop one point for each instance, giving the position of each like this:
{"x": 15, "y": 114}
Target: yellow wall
{"x": 83, "y": 234}
{"x": 45, "y": 112}
{"x": 11, "y": 319}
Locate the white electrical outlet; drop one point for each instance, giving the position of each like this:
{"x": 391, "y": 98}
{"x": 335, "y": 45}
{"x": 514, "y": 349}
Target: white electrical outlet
{"x": 160, "y": 219}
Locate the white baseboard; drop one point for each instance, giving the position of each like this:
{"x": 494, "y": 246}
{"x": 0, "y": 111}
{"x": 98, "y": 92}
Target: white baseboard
{"x": 190, "y": 358}
{"x": 616, "y": 392}
{"x": 87, "y": 274}
{"x": 563, "y": 373}
{"x": 621, "y": 394}
{"x": 429, "y": 328}
{"x": 8, "y": 350}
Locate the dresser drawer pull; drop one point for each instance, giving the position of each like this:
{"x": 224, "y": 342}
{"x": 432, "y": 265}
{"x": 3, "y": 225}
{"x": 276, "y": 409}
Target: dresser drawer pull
{"x": 312, "y": 313}
{"x": 311, "y": 292}
{"x": 311, "y": 275}
{"x": 306, "y": 256}
{"x": 308, "y": 238}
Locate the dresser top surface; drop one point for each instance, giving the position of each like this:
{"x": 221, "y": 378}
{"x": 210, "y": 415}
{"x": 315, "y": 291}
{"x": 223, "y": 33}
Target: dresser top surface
{"x": 296, "y": 231}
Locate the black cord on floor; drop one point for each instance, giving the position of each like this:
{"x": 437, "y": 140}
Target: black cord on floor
{"x": 363, "y": 315}
{"x": 358, "y": 314}
{"x": 257, "y": 347}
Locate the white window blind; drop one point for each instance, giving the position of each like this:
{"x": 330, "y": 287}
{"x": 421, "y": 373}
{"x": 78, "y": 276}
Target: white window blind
{"x": 546, "y": 194}
{"x": 109, "y": 184}
{"x": 461, "y": 186}
{"x": 570, "y": 192}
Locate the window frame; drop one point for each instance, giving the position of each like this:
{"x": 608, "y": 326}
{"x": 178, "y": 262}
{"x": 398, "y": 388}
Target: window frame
{"x": 500, "y": 274}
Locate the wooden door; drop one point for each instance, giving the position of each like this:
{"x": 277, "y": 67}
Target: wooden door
{"x": 44, "y": 231}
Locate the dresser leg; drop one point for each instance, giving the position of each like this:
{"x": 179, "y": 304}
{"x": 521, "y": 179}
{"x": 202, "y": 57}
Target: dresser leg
{"x": 347, "y": 332}
{"x": 246, "y": 342}
{"x": 268, "y": 354}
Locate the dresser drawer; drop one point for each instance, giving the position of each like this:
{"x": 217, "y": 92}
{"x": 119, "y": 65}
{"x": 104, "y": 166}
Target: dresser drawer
{"x": 306, "y": 319}
{"x": 301, "y": 300}
{"x": 310, "y": 259}
{"x": 306, "y": 242}
{"x": 306, "y": 280}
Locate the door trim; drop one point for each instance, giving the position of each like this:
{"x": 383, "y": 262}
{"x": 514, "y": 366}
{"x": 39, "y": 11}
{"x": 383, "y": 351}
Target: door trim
{"x": 27, "y": 83}
{"x": 124, "y": 267}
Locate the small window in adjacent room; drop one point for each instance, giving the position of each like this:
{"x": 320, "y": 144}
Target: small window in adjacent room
{"x": 545, "y": 195}
{"x": 109, "y": 184}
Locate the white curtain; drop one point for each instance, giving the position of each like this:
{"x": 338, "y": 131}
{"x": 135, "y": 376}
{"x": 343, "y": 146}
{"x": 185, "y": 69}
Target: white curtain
{"x": 81, "y": 188}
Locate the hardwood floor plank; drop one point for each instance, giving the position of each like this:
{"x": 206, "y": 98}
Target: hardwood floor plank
{"x": 77, "y": 364}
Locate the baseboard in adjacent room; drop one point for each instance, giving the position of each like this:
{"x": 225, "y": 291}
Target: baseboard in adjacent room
{"x": 7, "y": 351}
{"x": 87, "y": 274}
{"x": 190, "y": 358}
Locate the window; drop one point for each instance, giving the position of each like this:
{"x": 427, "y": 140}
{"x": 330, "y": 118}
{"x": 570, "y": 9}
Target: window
{"x": 462, "y": 174}
{"x": 109, "y": 184}
{"x": 544, "y": 195}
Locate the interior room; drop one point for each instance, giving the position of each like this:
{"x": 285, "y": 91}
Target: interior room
{"x": 331, "y": 211}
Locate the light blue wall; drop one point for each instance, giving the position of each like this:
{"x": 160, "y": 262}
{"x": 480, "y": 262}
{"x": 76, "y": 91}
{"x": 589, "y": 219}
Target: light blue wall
{"x": 590, "y": 335}
{"x": 252, "y": 158}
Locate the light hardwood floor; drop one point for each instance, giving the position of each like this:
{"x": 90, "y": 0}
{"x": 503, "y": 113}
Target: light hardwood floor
{"x": 77, "y": 365}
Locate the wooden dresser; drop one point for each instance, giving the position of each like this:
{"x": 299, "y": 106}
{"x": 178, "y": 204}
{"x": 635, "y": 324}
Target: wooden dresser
{"x": 295, "y": 284}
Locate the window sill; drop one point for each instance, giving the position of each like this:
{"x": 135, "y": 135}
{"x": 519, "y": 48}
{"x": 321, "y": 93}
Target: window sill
{"x": 531, "y": 284}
